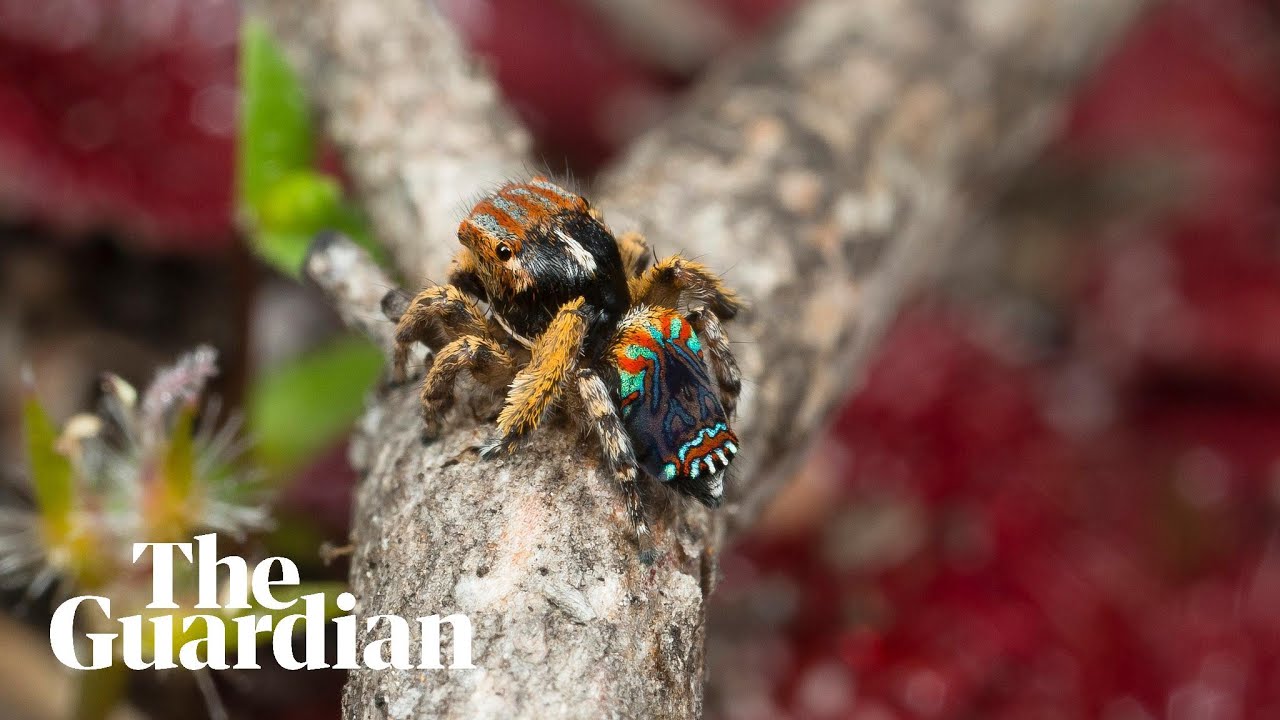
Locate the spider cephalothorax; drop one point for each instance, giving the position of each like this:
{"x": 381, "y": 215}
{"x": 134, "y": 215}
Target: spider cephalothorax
{"x": 533, "y": 247}
{"x": 575, "y": 314}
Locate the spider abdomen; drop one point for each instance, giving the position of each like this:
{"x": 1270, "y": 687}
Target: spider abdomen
{"x": 670, "y": 407}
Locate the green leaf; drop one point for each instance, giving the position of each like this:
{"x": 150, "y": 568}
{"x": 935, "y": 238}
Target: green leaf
{"x": 301, "y": 202}
{"x": 294, "y": 210}
{"x": 170, "y": 503}
{"x": 52, "y": 476}
{"x": 276, "y": 136}
{"x": 180, "y": 457}
{"x": 283, "y": 201}
{"x": 282, "y": 251}
{"x": 303, "y": 407}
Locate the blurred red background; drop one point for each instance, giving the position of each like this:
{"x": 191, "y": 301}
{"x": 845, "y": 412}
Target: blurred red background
{"x": 1056, "y": 500}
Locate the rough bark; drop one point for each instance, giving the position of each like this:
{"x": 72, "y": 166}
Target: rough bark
{"x": 824, "y": 173}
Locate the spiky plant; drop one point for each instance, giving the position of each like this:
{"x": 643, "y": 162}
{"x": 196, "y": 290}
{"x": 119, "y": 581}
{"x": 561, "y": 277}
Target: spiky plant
{"x": 141, "y": 469}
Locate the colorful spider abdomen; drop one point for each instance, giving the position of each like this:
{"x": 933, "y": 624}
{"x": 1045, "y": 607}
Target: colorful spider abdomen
{"x": 670, "y": 408}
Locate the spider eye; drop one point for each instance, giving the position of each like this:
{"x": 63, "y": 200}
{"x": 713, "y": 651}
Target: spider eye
{"x": 504, "y": 252}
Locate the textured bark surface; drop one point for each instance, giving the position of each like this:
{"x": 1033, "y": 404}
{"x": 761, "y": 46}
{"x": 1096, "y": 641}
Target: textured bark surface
{"x": 824, "y": 173}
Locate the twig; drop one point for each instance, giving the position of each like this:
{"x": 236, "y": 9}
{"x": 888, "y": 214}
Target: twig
{"x": 354, "y": 284}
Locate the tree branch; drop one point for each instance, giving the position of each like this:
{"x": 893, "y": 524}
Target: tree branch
{"x": 825, "y": 173}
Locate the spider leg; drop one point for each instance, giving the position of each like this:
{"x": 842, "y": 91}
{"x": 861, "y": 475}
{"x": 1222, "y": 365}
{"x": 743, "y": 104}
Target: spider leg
{"x": 674, "y": 276}
{"x": 484, "y": 358}
{"x": 618, "y": 453}
{"x": 635, "y": 253}
{"x": 436, "y": 316}
{"x": 538, "y": 386}
{"x": 719, "y": 356}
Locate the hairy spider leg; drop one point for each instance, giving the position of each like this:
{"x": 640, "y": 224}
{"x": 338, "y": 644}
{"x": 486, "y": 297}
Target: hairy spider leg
{"x": 483, "y": 358}
{"x": 719, "y": 355}
{"x": 435, "y": 317}
{"x": 674, "y": 278}
{"x": 538, "y": 386}
{"x": 618, "y": 453}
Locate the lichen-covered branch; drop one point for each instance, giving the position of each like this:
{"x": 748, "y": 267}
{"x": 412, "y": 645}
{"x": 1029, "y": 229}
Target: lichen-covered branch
{"x": 824, "y": 174}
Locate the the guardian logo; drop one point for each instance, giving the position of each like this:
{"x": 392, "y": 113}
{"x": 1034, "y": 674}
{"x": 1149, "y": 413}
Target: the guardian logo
{"x": 204, "y": 635}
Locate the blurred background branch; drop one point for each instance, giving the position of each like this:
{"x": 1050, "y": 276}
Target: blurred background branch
{"x": 680, "y": 36}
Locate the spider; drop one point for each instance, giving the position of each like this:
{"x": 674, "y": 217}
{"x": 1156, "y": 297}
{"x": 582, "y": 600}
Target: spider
{"x": 577, "y": 317}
